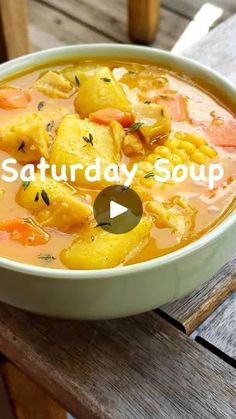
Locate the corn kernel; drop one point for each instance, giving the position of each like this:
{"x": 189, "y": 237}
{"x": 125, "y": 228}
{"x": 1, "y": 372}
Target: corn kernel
{"x": 152, "y": 157}
{"x": 145, "y": 165}
{"x": 162, "y": 151}
{"x": 208, "y": 151}
{"x": 172, "y": 143}
{"x": 199, "y": 157}
{"x": 188, "y": 147}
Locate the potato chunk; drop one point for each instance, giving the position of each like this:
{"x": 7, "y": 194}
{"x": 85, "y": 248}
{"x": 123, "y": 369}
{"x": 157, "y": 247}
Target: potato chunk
{"x": 98, "y": 249}
{"x": 100, "y": 91}
{"x": 71, "y": 147}
{"x": 155, "y": 118}
{"x": 54, "y": 85}
{"x": 54, "y": 204}
{"x": 26, "y": 140}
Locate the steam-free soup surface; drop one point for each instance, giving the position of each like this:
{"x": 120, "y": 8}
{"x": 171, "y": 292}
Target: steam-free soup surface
{"x": 123, "y": 113}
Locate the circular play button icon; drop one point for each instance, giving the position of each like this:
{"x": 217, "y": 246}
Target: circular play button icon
{"x": 117, "y": 209}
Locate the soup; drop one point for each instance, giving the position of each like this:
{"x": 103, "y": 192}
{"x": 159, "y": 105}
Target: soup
{"x": 123, "y": 113}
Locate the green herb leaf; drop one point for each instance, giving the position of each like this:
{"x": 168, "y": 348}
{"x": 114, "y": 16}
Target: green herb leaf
{"x": 36, "y": 197}
{"x": 147, "y": 102}
{"x": 88, "y": 139}
{"x": 132, "y": 72}
{"x": 102, "y": 224}
{"x": 50, "y": 126}
{"x": 77, "y": 80}
{"x": 21, "y": 146}
{"x": 45, "y": 197}
{"x": 149, "y": 174}
{"x": 41, "y": 105}
{"x": 135, "y": 126}
{"x": 106, "y": 79}
{"x": 26, "y": 184}
{"x": 46, "y": 256}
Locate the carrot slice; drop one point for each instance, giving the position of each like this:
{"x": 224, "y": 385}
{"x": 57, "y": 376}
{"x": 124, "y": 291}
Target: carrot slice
{"x": 176, "y": 105}
{"x": 25, "y": 231}
{"x": 223, "y": 135}
{"x": 107, "y": 115}
{"x": 13, "y": 98}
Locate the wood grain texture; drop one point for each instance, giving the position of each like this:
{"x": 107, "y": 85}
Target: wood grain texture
{"x": 143, "y": 20}
{"x": 140, "y": 367}
{"x": 219, "y": 335}
{"x": 190, "y": 311}
{"x": 109, "y": 18}
{"x": 50, "y": 28}
{"x": 28, "y": 400}
{"x": 14, "y": 26}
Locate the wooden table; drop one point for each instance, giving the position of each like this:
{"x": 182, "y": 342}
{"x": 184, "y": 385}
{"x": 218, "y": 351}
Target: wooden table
{"x": 178, "y": 362}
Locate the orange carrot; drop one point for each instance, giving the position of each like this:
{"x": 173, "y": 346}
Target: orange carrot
{"x": 223, "y": 135}
{"x": 13, "y": 98}
{"x": 176, "y": 105}
{"x": 108, "y": 115}
{"x": 25, "y": 231}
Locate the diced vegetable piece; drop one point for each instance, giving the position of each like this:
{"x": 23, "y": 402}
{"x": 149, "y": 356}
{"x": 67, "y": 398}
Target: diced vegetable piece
{"x": 118, "y": 133}
{"x": 132, "y": 144}
{"x": 175, "y": 214}
{"x": 54, "y": 204}
{"x": 54, "y": 85}
{"x": 81, "y": 142}
{"x": 108, "y": 115}
{"x": 176, "y": 105}
{"x": 25, "y": 231}
{"x": 223, "y": 134}
{"x": 155, "y": 120}
{"x": 13, "y": 98}
{"x": 107, "y": 250}
{"x": 100, "y": 91}
{"x": 77, "y": 74}
{"x": 26, "y": 140}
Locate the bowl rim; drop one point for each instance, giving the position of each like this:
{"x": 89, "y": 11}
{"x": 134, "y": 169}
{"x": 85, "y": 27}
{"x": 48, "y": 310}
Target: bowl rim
{"x": 111, "y": 50}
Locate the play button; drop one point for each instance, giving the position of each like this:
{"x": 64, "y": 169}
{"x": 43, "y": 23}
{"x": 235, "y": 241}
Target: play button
{"x": 117, "y": 209}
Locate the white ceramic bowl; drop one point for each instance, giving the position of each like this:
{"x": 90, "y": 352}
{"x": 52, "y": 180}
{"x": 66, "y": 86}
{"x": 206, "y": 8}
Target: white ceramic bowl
{"x": 118, "y": 292}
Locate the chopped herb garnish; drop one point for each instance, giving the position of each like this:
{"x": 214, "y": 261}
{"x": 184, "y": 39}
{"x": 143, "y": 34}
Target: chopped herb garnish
{"x": 46, "y": 256}
{"x": 149, "y": 174}
{"x": 147, "y": 102}
{"x": 162, "y": 112}
{"x": 106, "y": 79}
{"x": 26, "y": 184}
{"x": 135, "y": 126}
{"x": 21, "y": 146}
{"x": 36, "y": 197}
{"x": 77, "y": 80}
{"x": 132, "y": 72}
{"x": 41, "y": 105}
{"x": 45, "y": 197}
{"x": 103, "y": 224}
{"x": 88, "y": 139}
{"x": 50, "y": 126}
{"x": 165, "y": 97}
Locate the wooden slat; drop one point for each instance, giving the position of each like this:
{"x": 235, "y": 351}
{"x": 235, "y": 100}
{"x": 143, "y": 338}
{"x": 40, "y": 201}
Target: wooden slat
{"x": 49, "y": 28}
{"x": 109, "y": 17}
{"x": 29, "y": 401}
{"x": 138, "y": 367}
{"x": 188, "y": 312}
{"x": 219, "y": 335}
